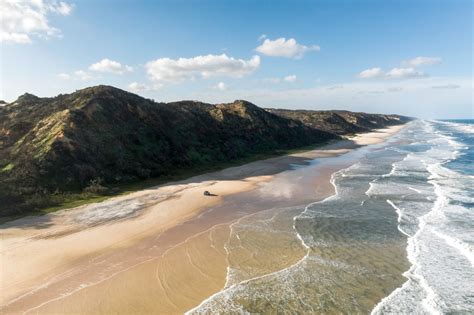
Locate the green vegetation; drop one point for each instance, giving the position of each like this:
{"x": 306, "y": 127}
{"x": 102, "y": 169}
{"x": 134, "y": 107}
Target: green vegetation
{"x": 340, "y": 122}
{"x": 8, "y": 167}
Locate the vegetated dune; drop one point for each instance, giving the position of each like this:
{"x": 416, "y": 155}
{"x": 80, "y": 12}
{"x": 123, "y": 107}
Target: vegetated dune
{"x": 102, "y": 136}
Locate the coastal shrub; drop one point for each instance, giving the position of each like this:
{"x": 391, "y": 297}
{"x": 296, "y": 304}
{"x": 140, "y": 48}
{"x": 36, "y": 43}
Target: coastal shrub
{"x": 95, "y": 187}
{"x": 37, "y": 201}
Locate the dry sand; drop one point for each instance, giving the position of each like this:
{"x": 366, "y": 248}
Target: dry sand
{"x": 157, "y": 250}
{"x": 376, "y": 136}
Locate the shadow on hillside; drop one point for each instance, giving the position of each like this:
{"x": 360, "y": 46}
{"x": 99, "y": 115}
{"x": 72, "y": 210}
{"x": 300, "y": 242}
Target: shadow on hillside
{"x": 26, "y": 222}
{"x": 266, "y": 167}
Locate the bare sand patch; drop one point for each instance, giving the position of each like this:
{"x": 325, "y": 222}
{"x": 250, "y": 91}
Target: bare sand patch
{"x": 377, "y": 136}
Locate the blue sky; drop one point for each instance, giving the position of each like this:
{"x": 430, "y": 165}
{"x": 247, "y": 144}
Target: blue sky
{"x": 408, "y": 57}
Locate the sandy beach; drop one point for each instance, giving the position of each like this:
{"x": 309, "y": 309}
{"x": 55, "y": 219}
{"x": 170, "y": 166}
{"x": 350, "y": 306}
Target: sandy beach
{"x": 163, "y": 249}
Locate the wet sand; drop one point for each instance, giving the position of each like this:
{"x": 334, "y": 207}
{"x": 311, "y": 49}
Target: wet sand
{"x": 160, "y": 250}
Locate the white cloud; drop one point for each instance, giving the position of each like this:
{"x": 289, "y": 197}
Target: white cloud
{"x": 395, "y": 73}
{"x": 422, "y": 61}
{"x": 371, "y": 73}
{"x": 105, "y": 65}
{"x": 262, "y": 37}
{"x": 447, "y": 86}
{"x": 284, "y": 48}
{"x": 404, "y": 73}
{"x": 221, "y": 86}
{"x": 140, "y": 87}
{"x": 17, "y": 38}
{"x": 166, "y": 70}
{"x": 62, "y": 8}
{"x": 76, "y": 75}
{"x": 137, "y": 87}
{"x": 22, "y": 19}
{"x": 290, "y": 78}
{"x": 111, "y": 66}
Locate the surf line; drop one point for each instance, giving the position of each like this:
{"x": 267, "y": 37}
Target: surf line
{"x": 413, "y": 251}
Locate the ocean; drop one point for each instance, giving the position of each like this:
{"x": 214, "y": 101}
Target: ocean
{"x": 397, "y": 236}
{"x": 438, "y": 220}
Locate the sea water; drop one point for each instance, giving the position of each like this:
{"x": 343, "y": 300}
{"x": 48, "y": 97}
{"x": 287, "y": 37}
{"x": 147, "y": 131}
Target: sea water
{"x": 396, "y": 237}
{"x": 437, "y": 217}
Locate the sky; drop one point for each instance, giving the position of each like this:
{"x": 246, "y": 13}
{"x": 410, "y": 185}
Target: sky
{"x": 408, "y": 57}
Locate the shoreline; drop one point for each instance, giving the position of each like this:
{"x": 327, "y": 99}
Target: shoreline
{"x": 167, "y": 215}
{"x": 75, "y": 200}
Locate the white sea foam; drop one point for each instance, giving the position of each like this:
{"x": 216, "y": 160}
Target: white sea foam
{"x": 462, "y": 247}
{"x": 413, "y": 275}
{"x": 464, "y": 128}
{"x": 434, "y": 269}
{"x": 400, "y": 216}
{"x": 415, "y": 190}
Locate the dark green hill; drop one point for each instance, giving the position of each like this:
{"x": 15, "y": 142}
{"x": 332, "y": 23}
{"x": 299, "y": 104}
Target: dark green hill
{"x": 340, "y": 122}
{"x": 51, "y": 146}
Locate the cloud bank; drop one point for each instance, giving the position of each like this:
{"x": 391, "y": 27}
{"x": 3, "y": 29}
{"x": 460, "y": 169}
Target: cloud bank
{"x": 406, "y": 72}
{"x": 422, "y": 61}
{"x": 166, "y": 70}
{"x": 22, "y": 19}
{"x": 371, "y": 73}
{"x": 394, "y": 73}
